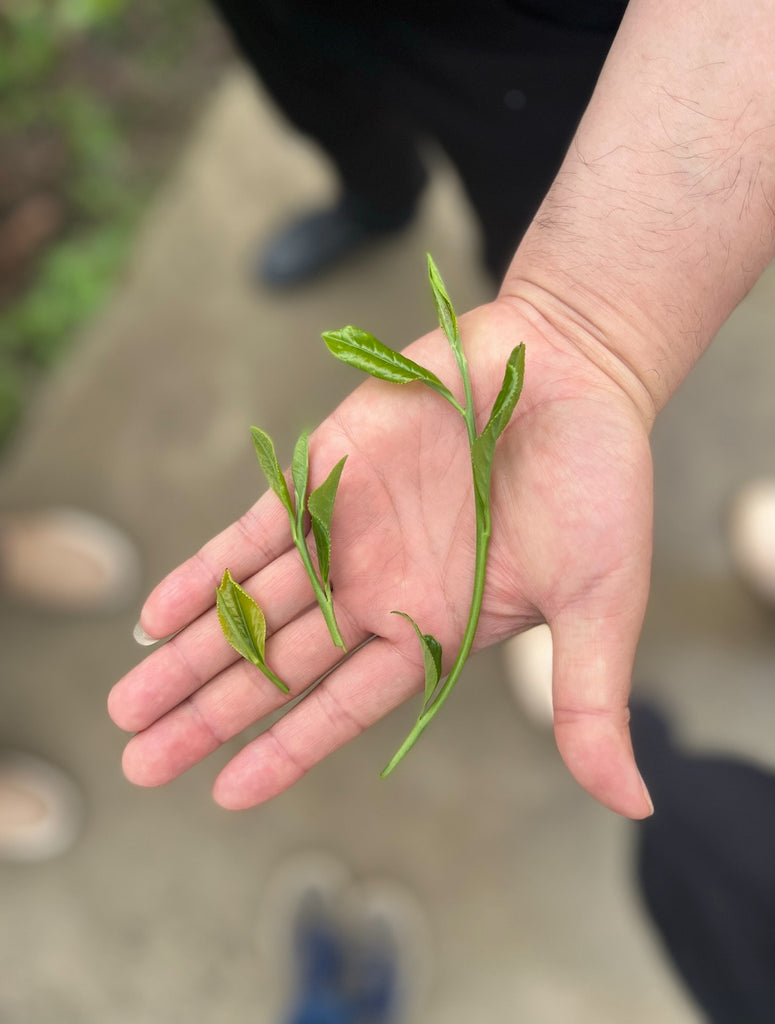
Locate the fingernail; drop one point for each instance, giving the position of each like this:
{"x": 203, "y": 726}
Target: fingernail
{"x": 141, "y": 637}
{"x": 648, "y": 797}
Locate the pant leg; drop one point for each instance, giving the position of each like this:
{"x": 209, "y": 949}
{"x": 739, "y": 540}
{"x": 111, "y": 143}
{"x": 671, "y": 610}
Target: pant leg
{"x": 505, "y": 109}
{"x": 706, "y": 870}
{"x": 500, "y": 87}
{"x": 330, "y": 80}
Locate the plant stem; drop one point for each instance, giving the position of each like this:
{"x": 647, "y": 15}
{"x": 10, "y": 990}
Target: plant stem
{"x": 483, "y": 532}
{"x": 273, "y": 678}
{"x": 322, "y": 595}
{"x": 482, "y": 543}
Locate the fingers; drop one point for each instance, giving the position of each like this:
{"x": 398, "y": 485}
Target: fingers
{"x": 593, "y": 661}
{"x": 247, "y": 546}
{"x": 376, "y": 679}
{"x": 200, "y": 652}
{"x": 236, "y": 698}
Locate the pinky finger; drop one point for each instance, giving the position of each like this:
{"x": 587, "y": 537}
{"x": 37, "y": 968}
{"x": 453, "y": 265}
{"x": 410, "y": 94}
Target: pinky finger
{"x": 369, "y": 684}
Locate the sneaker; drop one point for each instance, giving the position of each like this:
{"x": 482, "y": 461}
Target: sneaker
{"x": 41, "y": 809}
{"x": 527, "y": 660}
{"x": 302, "y": 942}
{"x": 390, "y": 960}
{"x": 66, "y": 560}
{"x": 751, "y": 537}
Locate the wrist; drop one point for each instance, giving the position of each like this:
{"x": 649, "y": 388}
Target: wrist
{"x": 597, "y": 334}
{"x": 662, "y": 216}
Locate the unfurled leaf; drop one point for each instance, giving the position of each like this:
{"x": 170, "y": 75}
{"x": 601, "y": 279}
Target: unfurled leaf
{"x": 271, "y": 467}
{"x": 320, "y": 506}
{"x": 362, "y": 350}
{"x": 300, "y": 474}
{"x": 431, "y": 653}
{"x": 444, "y": 310}
{"x": 244, "y": 625}
{"x": 508, "y": 396}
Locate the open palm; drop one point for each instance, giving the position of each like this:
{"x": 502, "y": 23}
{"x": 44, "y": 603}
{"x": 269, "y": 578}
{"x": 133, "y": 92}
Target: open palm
{"x": 571, "y": 545}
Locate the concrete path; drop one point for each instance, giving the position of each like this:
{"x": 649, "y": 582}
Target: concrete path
{"x": 157, "y": 914}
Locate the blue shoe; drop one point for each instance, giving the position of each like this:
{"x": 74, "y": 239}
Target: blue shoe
{"x": 320, "y": 953}
{"x": 390, "y": 956}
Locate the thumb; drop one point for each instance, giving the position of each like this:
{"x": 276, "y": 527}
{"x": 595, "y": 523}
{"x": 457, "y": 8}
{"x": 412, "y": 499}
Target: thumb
{"x": 593, "y": 657}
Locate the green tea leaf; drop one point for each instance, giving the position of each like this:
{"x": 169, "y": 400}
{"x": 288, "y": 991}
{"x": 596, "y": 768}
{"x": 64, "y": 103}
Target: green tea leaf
{"x": 483, "y": 447}
{"x": 244, "y": 625}
{"x": 444, "y": 310}
{"x": 362, "y": 350}
{"x": 431, "y": 653}
{"x": 321, "y": 509}
{"x": 482, "y": 454}
{"x": 300, "y": 473}
{"x": 508, "y": 396}
{"x": 271, "y": 467}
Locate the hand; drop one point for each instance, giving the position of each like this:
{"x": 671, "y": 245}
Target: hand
{"x": 571, "y": 545}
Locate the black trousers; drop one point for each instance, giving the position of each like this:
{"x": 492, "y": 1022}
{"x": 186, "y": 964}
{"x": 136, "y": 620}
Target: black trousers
{"x": 706, "y": 871}
{"x": 499, "y": 86}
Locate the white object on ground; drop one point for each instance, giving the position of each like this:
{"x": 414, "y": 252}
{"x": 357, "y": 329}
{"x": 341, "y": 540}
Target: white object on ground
{"x": 67, "y": 560}
{"x": 527, "y": 658}
{"x": 41, "y": 809}
{"x": 751, "y": 536}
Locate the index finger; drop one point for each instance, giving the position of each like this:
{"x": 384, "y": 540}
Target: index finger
{"x": 251, "y": 543}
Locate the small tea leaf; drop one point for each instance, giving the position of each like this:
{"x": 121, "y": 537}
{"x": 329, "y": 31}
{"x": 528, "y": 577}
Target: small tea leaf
{"x": 321, "y": 509}
{"x": 271, "y": 467}
{"x": 244, "y": 625}
{"x": 483, "y": 448}
{"x": 300, "y": 473}
{"x": 431, "y": 653}
{"x": 362, "y": 350}
{"x": 482, "y": 454}
{"x": 508, "y": 396}
{"x": 444, "y": 310}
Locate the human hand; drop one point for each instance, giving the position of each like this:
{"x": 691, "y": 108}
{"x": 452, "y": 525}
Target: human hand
{"x": 571, "y": 545}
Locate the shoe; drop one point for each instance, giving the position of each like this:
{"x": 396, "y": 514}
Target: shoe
{"x": 41, "y": 810}
{"x": 320, "y": 952}
{"x": 321, "y": 240}
{"x": 66, "y": 560}
{"x": 302, "y": 942}
{"x": 527, "y": 659}
{"x": 751, "y": 537}
{"x": 390, "y": 953}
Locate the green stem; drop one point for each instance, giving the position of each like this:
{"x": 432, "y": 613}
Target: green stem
{"x": 322, "y": 595}
{"x": 483, "y": 531}
{"x": 271, "y": 676}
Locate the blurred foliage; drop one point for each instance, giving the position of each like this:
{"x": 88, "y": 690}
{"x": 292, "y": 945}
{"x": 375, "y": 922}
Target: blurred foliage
{"x": 108, "y": 81}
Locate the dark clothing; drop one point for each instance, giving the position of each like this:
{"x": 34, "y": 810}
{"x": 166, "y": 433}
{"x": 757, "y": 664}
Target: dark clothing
{"x": 706, "y": 867}
{"x": 500, "y": 86}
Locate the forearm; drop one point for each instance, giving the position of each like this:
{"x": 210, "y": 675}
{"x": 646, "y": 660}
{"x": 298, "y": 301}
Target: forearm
{"x": 663, "y": 214}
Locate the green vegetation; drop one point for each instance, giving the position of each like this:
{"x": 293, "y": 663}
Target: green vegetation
{"x": 93, "y": 96}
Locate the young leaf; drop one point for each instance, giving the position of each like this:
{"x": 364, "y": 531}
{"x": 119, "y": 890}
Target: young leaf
{"x": 508, "y": 396}
{"x": 444, "y": 310}
{"x": 482, "y": 454}
{"x": 244, "y": 625}
{"x": 271, "y": 467}
{"x": 320, "y": 506}
{"x": 483, "y": 447}
{"x": 362, "y": 350}
{"x": 431, "y": 653}
{"x": 300, "y": 474}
